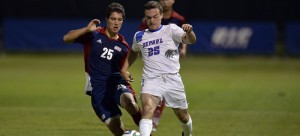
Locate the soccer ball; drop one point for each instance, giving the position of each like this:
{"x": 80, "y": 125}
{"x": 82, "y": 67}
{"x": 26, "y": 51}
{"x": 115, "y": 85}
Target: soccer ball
{"x": 131, "y": 133}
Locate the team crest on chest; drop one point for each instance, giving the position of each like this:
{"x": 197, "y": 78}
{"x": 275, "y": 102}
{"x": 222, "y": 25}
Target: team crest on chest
{"x": 117, "y": 48}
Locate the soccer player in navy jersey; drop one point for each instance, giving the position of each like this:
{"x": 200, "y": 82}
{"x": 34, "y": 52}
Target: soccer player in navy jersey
{"x": 104, "y": 53}
{"x": 170, "y": 16}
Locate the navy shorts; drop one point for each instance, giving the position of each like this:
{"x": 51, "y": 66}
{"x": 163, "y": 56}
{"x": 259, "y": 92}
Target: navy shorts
{"x": 106, "y": 99}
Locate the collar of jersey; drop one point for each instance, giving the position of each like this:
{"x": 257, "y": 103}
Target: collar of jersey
{"x": 156, "y": 29}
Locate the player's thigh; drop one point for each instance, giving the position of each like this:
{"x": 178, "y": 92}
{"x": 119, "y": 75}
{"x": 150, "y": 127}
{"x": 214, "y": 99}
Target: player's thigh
{"x": 154, "y": 87}
{"x": 149, "y": 103}
{"x": 132, "y": 91}
{"x": 103, "y": 105}
{"x": 122, "y": 94}
{"x": 126, "y": 100}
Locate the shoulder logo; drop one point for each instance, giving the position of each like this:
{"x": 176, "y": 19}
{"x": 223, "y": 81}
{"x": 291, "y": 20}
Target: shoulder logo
{"x": 99, "y": 41}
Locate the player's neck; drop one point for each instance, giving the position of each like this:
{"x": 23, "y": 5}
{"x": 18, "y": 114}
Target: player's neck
{"x": 111, "y": 35}
{"x": 167, "y": 14}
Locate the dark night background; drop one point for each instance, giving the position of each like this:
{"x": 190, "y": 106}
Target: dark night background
{"x": 278, "y": 11}
{"x": 248, "y": 10}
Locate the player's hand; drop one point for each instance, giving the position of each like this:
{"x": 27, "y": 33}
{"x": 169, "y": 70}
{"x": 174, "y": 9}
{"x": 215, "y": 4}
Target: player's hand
{"x": 187, "y": 28}
{"x": 92, "y": 26}
{"x": 128, "y": 77}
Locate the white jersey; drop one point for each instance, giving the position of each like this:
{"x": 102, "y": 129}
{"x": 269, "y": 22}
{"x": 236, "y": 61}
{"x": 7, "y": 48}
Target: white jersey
{"x": 159, "y": 50}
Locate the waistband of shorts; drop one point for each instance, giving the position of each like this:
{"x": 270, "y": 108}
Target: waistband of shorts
{"x": 161, "y": 75}
{"x": 170, "y": 74}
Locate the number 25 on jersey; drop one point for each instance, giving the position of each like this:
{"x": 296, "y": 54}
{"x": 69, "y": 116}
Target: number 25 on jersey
{"x": 153, "y": 51}
{"x": 107, "y": 53}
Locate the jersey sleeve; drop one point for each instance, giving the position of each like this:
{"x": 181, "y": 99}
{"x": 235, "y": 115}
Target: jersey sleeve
{"x": 83, "y": 39}
{"x": 135, "y": 46}
{"x": 177, "y": 32}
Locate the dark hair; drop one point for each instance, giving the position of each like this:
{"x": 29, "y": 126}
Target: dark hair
{"x": 115, "y": 7}
{"x": 153, "y": 4}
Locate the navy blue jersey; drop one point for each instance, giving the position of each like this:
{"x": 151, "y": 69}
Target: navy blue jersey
{"x": 106, "y": 56}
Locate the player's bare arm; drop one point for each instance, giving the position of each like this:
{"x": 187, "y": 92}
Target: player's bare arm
{"x": 130, "y": 59}
{"x": 182, "y": 50}
{"x": 73, "y": 34}
{"x": 189, "y": 37}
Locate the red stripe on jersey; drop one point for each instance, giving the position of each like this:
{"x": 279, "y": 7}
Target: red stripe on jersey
{"x": 87, "y": 50}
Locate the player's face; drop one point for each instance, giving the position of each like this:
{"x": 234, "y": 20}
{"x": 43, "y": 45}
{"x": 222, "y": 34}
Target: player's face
{"x": 153, "y": 18}
{"x": 166, "y": 4}
{"x": 114, "y": 23}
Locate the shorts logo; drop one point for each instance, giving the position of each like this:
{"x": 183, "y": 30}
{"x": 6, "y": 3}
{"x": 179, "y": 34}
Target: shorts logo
{"x": 103, "y": 117}
{"x": 120, "y": 86}
{"x": 142, "y": 83}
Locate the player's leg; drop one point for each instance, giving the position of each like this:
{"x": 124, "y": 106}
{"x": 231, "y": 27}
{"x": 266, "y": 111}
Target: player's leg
{"x": 176, "y": 98}
{"x": 157, "y": 114}
{"x": 151, "y": 96}
{"x": 149, "y": 103}
{"x": 107, "y": 110}
{"x": 115, "y": 126}
{"x": 125, "y": 97}
{"x": 128, "y": 103}
{"x": 185, "y": 120}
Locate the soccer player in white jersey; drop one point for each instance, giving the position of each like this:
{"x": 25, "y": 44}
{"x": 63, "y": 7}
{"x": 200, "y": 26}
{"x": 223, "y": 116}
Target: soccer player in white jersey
{"x": 161, "y": 80}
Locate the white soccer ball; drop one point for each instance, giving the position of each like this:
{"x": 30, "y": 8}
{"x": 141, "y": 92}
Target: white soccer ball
{"x": 131, "y": 133}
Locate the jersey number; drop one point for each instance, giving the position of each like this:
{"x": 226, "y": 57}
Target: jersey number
{"x": 107, "y": 53}
{"x": 153, "y": 51}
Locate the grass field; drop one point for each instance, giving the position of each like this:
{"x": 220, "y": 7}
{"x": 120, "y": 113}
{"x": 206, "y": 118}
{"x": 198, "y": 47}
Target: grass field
{"x": 42, "y": 95}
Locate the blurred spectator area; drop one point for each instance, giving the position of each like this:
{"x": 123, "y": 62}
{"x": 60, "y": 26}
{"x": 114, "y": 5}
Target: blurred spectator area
{"x": 241, "y": 20}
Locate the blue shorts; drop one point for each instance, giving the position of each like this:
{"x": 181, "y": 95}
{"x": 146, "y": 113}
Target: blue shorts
{"x": 106, "y": 99}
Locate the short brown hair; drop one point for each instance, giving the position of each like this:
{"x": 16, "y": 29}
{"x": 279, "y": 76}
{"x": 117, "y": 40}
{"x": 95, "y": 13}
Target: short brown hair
{"x": 115, "y": 7}
{"x": 153, "y": 4}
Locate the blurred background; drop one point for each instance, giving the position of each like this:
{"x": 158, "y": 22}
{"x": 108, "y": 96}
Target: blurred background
{"x": 258, "y": 27}
{"x": 241, "y": 77}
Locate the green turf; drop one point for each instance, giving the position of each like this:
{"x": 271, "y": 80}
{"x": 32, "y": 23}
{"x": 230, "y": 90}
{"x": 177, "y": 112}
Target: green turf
{"x": 42, "y": 95}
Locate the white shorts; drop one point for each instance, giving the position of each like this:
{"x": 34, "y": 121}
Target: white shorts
{"x": 168, "y": 87}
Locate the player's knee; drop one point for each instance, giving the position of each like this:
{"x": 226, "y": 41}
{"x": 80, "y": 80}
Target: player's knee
{"x": 183, "y": 116}
{"x": 129, "y": 104}
{"x": 126, "y": 99}
{"x": 148, "y": 109}
{"x": 184, "y": 119}
{"x": 132, "y": 105}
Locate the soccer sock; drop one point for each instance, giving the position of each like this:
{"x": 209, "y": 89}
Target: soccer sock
{"x": 137, "y": 117}
{"x": 188, "y": 127}
{"x": 155, "y": 120}
{"x": 145, "y": 127}
{"x": 158, "y": 112}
